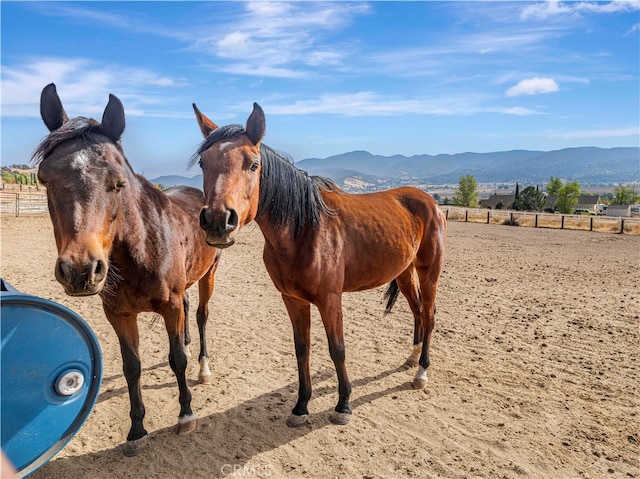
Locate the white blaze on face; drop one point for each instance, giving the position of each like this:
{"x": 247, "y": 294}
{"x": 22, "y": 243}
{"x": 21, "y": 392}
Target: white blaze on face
{"x": 225, "y": 145}
{"x": 80, "y": 161}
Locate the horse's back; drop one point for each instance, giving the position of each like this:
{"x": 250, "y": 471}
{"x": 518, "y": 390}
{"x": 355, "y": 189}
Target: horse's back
{"x": 406, "y": 201}
{"x": 187, "y": 193}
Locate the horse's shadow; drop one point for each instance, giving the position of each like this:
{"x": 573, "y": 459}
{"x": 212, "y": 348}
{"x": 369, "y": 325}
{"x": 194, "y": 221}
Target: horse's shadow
{"x": 224, "y": 441}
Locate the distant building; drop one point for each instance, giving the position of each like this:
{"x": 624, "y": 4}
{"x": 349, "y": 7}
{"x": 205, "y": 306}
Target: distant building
{"x": 586, "y": 203}
{"x": 619, "y": 210}
{"x": 498, "y": 202}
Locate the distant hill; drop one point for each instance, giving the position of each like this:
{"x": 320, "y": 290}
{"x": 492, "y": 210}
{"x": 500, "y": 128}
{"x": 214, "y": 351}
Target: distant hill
{"x": 173, "y": 180}
{"x": 363, "y": 170}
{"x": 585, "y": 165}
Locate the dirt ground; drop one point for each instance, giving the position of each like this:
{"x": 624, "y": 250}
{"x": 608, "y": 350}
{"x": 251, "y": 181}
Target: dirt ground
{"x": 534, "y": 369}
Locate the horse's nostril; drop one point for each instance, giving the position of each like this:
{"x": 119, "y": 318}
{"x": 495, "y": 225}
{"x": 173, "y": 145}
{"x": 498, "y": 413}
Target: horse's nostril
{"x": 203, "y": 219}
{"x": 99, "y": 270}
{"x": 232, "y": 220}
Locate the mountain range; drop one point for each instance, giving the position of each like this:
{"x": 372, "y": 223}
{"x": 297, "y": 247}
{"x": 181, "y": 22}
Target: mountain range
{"x": 586, "y": 165}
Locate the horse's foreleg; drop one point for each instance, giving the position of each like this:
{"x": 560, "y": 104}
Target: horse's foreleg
{"x": 126, "y": 327}
{"x": 300, "y": 315}
{"x": 174, "y": 322}
{"x": 205, "y": 290}
{"x": 187, "y": 335}
{"x": 331, "y": 313}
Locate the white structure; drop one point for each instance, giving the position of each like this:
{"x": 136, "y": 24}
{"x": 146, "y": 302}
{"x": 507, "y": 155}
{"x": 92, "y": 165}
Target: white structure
{"x": 619, "y": 210}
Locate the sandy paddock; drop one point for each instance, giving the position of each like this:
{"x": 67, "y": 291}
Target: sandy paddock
{"x": 534, "y": 369}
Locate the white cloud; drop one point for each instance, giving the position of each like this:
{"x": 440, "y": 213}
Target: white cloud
{"x": 533, "y": 86}
{"x": 550, "y": 8}
{"x": 369, "y": 103}
{"x": 279, "y": 37}
{"x": 611, "y": 7}
{"x": 633, "y": 29}
{"x": 85, "y": 84}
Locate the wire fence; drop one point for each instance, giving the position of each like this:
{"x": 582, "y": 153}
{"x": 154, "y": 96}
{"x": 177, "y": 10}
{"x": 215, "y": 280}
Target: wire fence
{"x": 23, "y": 203}
{"x": 609, "y": 224}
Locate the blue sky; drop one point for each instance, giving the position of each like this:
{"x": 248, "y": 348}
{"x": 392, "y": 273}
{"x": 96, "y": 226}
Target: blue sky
{"x": 387, "y": 77}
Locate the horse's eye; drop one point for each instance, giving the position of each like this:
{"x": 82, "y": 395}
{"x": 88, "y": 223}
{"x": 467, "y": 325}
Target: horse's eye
{"x": 200, "y": 164}
{"x": 120, "y": 184}
{"x": 254, "y": 166}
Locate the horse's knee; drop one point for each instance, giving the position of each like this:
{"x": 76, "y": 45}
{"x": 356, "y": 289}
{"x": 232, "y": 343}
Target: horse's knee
{"x": 302, "y": 350}
{"x": 338, "y": 353}
{"x": 178, "y": 360}
{"x": 131, "y": 366}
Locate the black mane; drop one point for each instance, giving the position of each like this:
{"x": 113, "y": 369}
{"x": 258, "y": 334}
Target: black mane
{"x": 80, "y": 128}
{"x": 288, "y": 196}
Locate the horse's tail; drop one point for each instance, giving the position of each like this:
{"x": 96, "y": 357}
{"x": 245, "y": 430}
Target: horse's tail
{"x": 391, "y": 294}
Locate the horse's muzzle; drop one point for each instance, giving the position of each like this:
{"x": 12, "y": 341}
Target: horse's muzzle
{"x": 81, "y": 279}
{"x": 219, "y": 228}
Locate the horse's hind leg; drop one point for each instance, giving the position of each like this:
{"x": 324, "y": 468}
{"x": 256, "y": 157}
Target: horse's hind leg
{"x": 428, "y": 285}
{"x": 408, "y": 284}
{"x": 331, "y": 313}
{"x": 205, "y": 290}
{"x": 126, "y": 327}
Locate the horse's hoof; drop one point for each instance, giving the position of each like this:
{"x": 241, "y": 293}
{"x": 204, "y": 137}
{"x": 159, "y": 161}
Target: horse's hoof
{"x": 419, "y": 383}
{"x": 133, "y": 448}
{"x": 204, "y": 379}
{"x": 186, "y": 425}
{"x": 297, "y": 421}
{"x": 340, "y": 418}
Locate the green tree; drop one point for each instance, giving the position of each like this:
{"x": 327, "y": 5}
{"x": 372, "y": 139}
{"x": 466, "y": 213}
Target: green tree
{"x": 554, "y": 185}
{"x": 530, "y": 199}
{"x": 8, "y": 177}
{"x": 514, "y": 205}
{"x": 466, "y": 194}
{"x": 568, "y": 197}
{"x": 625, "y": 195}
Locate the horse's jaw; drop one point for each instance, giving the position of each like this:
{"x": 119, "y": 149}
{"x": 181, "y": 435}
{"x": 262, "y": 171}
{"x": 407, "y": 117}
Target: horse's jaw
{"x": 219, "y": 242}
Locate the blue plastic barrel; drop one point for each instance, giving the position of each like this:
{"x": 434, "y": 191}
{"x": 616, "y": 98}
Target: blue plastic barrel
{"x": 51, "y": 371}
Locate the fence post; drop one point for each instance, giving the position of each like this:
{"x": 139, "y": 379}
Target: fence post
{"x": 488, "y": 216}
{"x": 536, "y": 221}
{"x": 466, "y": 215}
{"x": 562, "y": 222}
{"x": 446, "y": 214}
{"x": 18, "y": 204}
{"x": 621, "y": 225}
{"x": 591, "y": 223}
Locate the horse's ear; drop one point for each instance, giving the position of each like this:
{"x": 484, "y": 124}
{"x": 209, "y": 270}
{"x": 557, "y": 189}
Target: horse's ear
{"x": 113, "y": 118}
{"x": 51, "y": 109}
{"x": 256, "y": 125}
{"x": 206, "y": 125}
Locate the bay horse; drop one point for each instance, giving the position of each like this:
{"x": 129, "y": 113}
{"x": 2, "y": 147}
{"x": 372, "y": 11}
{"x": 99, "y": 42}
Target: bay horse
{"x": 321, "y": 242}
{"x": 122, "y": 238}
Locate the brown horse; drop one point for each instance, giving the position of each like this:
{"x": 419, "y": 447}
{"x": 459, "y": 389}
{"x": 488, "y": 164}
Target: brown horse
{"x": 122, "y": 238}
{"x": 321, "y": 242}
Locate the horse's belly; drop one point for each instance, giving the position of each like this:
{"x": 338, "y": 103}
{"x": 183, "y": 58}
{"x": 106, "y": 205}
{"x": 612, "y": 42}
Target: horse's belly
{"x": 370, "y": 270}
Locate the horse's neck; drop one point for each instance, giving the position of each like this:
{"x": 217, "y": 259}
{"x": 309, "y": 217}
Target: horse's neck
{"x": 280, "y": 240}
{"x": 135, "y": 232}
